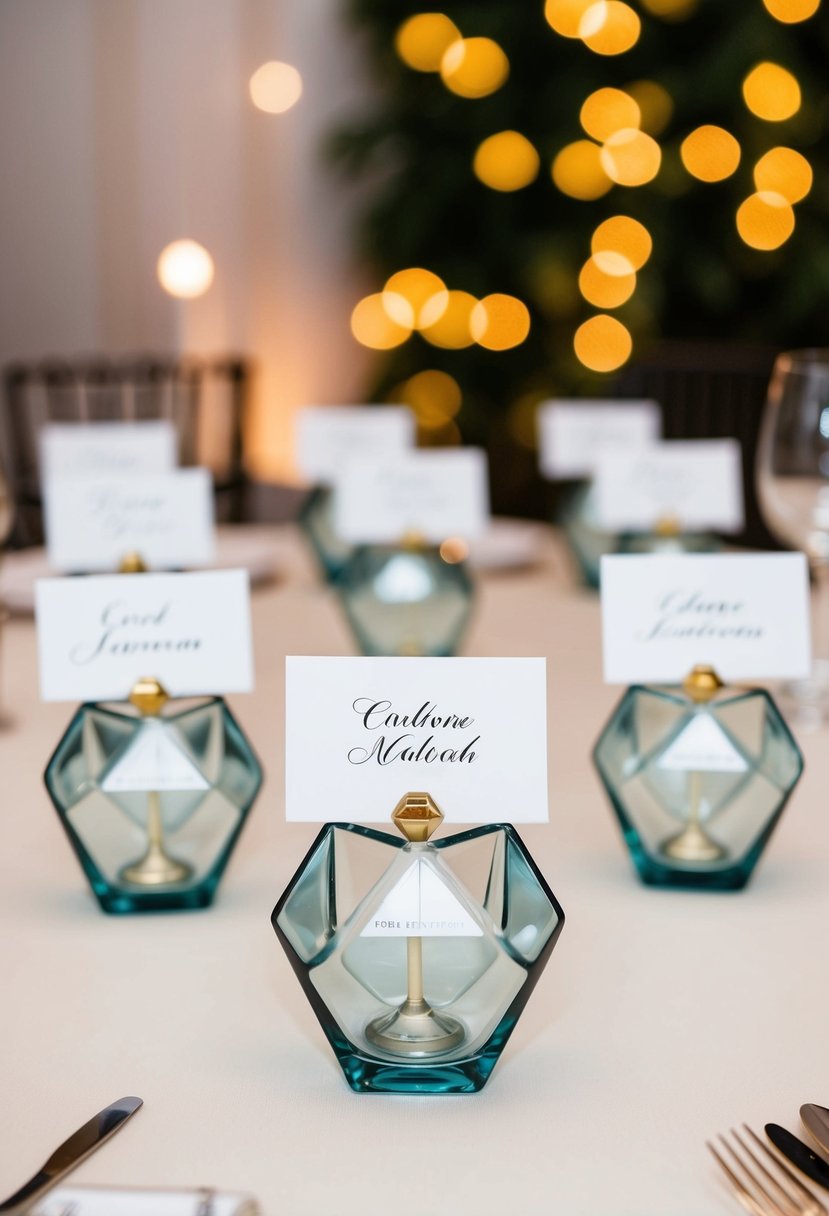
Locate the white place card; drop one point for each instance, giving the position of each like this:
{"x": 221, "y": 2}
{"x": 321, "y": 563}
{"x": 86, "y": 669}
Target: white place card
{"x": 106, "y": 449}
{"x": 572, "y": 434}
{"x": 696, "y": 482}
{"x": 434, "y": 494}
{"x": 745, "y": 614}
{"x": 97, "y": 636}
{"x": 92, "y": 522}
{"x": 328, "y": 435}
{"x": 362, "y": 733}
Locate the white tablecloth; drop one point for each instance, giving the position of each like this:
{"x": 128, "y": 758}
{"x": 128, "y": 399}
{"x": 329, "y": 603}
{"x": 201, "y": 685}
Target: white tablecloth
{"x": 662, "y": 1017}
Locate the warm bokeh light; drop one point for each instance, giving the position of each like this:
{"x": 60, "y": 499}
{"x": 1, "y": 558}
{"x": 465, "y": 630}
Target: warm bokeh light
{"x": 450, "y": 328}
{"x": 621, "y": 245}
{"x": 710, "y": 153}
{"x": 631, "y": 158}
{"x": 671, "y": 10}
{"x": 422, "y": 41}
{"x": 474, "y": 67}
{"x": 791, "y": 11}
{"x": 406, "y": 293}
{"x": 185, "y": 269}
{"x": 603, "y": 289}
{"x": 602, "y": 343}
{"x": 434, "y": 396}
{"x": 506, "y": 161}
{"x": 607, "y": 111}
{"x": 655, "y": 104}
{"x": 771, "y": 92}
{"x": 398, "y": 309}
{"x": 610, "y": 27}
{"x": 372, "y": 326}
{"x": 499, "y": 322}
{"x": 565, "y": 15}
{"x": 577, "y": 171}
{"x": 454, "y": 549}
{"x": 784, "y": 171}
{"x": 275, "y": 87}
{"x": 765, "y": 220}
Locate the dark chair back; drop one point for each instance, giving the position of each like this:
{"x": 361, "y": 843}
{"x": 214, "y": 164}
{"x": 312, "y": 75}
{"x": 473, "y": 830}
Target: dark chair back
{"x": 710, "y": 391}
{"x": 204, "y": 399}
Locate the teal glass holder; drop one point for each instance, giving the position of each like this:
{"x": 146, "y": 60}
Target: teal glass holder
{"x": 587, "y": 540}
{"x": 316, "y": 520}
{"x": 667, "y": 538}
{"x": 698, "y": 777}
{"x": 405, "y": 600}
{"x": 417, "y": 957}
{"x": 165, "y": 847}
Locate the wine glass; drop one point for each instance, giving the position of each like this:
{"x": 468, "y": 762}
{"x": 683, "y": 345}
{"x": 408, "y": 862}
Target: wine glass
{"x": 793, "y": 488}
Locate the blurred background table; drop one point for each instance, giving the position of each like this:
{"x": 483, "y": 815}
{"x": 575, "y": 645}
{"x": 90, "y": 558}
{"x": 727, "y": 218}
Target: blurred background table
{"x": 662, "y": 1018}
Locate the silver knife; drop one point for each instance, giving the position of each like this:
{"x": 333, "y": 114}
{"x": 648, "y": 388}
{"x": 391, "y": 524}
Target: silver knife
{"x": 71, "y": 1153}
{"x": 815, "y": 1119}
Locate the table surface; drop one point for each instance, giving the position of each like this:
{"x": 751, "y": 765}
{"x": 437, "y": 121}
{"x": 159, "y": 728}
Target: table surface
{"x": 662, "y": 1017}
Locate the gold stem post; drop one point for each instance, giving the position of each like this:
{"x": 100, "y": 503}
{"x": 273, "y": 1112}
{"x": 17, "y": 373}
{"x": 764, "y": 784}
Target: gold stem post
{"x": 414, "y": 970}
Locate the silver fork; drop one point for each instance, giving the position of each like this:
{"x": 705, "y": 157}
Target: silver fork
{"x": 760, "y": 1191}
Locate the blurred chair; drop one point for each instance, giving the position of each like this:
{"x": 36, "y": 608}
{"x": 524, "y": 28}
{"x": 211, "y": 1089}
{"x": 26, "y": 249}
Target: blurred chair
{"x": 710, "y": 391}
{"x": 205, "y": 399}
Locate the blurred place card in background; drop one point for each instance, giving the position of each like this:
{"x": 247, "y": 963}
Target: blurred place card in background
{"x": 122, "y": 1201}
{"x": 327, "y": 435}
{"x": 572, "y": 434}
{"x": 97, "y": 636}
{"x": 696, "y": 483}
{"x": 432, "y": 494}
{"x": 361, "y": 733}
{"x": 744, "y": 614}
{"x": 167, "y": 518}
{"x": 106, "y": 449}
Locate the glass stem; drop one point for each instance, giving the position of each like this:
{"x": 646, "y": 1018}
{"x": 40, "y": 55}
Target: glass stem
{"x": 820, "y": 610}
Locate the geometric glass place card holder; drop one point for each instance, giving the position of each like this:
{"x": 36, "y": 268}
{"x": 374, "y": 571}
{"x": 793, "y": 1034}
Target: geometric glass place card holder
{"x": 406, "y": 599}
{"x": 666, "y": 537}
{"x": 153, "y": 804}
{"x": 589, "y": 542}
{"x": 316, "y": 519}
{"x": 417, "y": 956}
{"x": 698, "y": 777}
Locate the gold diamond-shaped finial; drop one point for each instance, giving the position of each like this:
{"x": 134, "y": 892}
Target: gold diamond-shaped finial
{"x": 417, "y": 816}
{"x": 132, "y": 563}
{"x": 149, "y": 696}
{"x": 702, "y": 683}
{"x": 667, "y": 526}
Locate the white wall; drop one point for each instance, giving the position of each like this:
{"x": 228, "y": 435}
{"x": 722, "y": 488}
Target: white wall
{"x": 125, "y": 124}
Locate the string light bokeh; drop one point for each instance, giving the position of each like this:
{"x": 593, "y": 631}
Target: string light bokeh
{"x": 644, "y": 124}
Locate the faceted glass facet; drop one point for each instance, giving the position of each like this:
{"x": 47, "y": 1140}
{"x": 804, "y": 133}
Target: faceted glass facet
{"x": 698, "y": 788}
{"x": 153, "y": 806}
{"x": 417, "y": 958}
{"x": 316, "y": 518}
{"x": 402, "y": 601}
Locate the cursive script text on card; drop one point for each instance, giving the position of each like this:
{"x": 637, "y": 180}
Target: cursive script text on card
{"x": 122, "y": 632}
{"x": 696, "y": 614}
{"x": 442, "y": 748}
